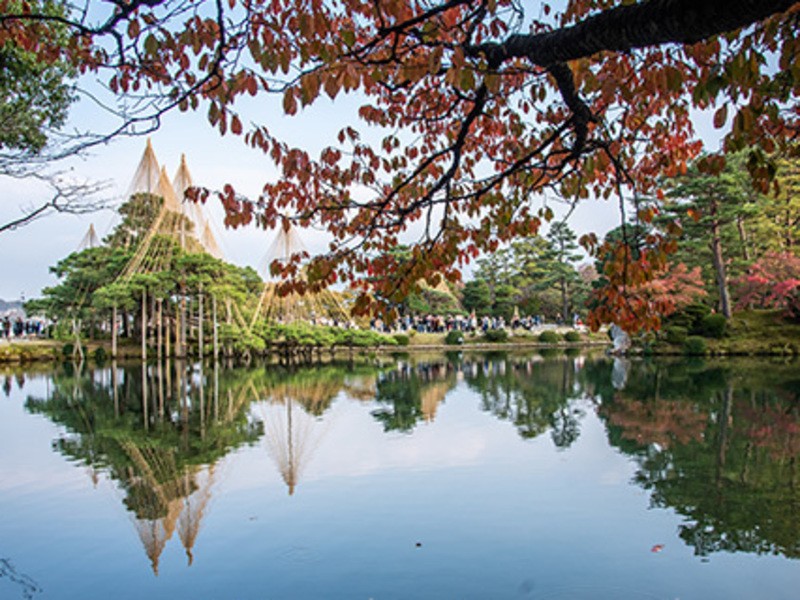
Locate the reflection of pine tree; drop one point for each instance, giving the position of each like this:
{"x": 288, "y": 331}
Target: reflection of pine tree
{"x": 161, "y": 450}
{"x": 412, "y": 394}
{"x": 725, "y": 457}
{"x": 536, "y": 395}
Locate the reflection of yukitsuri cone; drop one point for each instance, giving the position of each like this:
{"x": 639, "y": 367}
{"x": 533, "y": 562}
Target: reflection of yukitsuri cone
{"x": 313, "y": 396}
{"x": 155, "y": 533}
{"x": 156, "y": 471}
{"x": 292, "y": 435}
{"x": 194, "y": 507}
{"x": 431, "y": 396}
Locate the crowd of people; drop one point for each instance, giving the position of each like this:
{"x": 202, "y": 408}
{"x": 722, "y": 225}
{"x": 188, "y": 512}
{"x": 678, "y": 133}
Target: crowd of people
{"x": 11, "y": 328}
{"x": 467, "y": 323}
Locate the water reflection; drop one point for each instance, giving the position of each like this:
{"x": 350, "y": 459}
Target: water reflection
{"x": 412, "y": 392}
{"x": 535, "y": 394}
{"x": 718, "y": 443}
{"x": 152, "y": 430}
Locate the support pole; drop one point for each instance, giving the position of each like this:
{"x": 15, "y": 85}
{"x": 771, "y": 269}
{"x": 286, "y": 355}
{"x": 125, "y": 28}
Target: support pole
{"x": 145, "y": 400}
{"x": 168, "y": 336}
{"x": 183, "y": 351}
{"x": 144, "y": 324}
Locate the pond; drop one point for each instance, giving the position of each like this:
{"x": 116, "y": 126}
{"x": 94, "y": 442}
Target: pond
{"x": 415, "y": 476}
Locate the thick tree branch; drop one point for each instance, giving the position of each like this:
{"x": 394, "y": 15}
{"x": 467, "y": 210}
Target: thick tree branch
{"x": 626, "y": 28}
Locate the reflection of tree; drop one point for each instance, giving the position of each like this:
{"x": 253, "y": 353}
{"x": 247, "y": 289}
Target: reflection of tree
{"x": 412, "y": 393}
{"x": 722, "y": 454}
{"x": 534, "y": 394}
{"x": 156, "y": 431}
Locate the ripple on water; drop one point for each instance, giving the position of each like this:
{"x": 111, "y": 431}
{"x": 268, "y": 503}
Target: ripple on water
{"x": 298, "y": 555}
{"x": 588, "y": 592}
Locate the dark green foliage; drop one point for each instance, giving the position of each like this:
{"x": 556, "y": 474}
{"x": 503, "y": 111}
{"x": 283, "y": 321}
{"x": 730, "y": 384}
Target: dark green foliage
{"x": 477, "y": 297}
{"x": 675, "y": 334}
{"x": 694, "y": 346}
{"x": 401, "y": 338}
{"x": 496, "y": 336}
{"x": 549, "y": 337}
{"x": 432, "y": 301}
{"x": 713, "y": 326}
{"x": 454, "y": 338}
{"x": 100, "y": 355}
{"x": 572, "y": 336}
{"x": 689, "y": 317}
{"x": 67, "y": 350}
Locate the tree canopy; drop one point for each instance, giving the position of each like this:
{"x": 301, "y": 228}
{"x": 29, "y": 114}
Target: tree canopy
{"x": 472, "y": 111}
{"x": 35, "y": 92}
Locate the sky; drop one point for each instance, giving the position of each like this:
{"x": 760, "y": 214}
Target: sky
{"x": 26, "y": 254}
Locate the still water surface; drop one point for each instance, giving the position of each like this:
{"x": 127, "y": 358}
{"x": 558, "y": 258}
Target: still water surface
{"x": 459, "y": 476}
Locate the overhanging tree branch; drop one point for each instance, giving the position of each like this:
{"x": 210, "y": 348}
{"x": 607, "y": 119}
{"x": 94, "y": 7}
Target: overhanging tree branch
{"x": 633, "y": 26}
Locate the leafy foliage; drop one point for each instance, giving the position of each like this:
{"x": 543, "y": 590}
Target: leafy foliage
{"x": 638, "y": 286}
{"x": 35, "y": 92}
{"x": 473, "y": 111}
{"x": 694, "y": 345}
{"x": 549, "y": 337}
{"x": 772, "y": 281}
{"x": 496, "y": 336}
{"x": 454, "y": 338}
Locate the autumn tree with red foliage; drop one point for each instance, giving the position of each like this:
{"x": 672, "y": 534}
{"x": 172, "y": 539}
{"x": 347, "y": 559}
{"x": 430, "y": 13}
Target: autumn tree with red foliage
{"x": 771, "y": 282}
{"x": 639, "y": 301}
{"x": 485, "y": 106}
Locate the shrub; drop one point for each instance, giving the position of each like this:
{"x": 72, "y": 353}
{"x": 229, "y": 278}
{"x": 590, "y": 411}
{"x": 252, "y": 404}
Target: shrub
{"x": 675, "y": 334}
{"x": 496, "y": 335}
{"x": 402, "y": 339}
{"x": 100, "y": 355}
{"x": 694, "y": 345}
{"x": 454, "y": 338}
{"x": 573, "y": 336}
{"x": 688, "y": 318}
{"x": 713, "y": 326}
{"x": 549, "y": 337}
{"x": 68, "y": 350}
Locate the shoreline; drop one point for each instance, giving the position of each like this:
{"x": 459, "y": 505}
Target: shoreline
{"x": 28, "y": 352}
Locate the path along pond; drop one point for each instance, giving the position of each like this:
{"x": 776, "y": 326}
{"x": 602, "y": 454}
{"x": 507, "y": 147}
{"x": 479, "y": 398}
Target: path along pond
{"x": 419, "y": 476}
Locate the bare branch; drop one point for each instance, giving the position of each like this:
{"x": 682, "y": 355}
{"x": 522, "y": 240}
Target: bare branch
{"x": 67, "y": 197}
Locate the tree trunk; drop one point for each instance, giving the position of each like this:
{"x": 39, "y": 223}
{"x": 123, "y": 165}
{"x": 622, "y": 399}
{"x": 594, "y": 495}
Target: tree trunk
{"x": 200, "y": 323}
{"x": 114, "y": 332}
{"x": 719, "y": 264}
{"x": 216, "y": 335}
{"x": 743, "y": 238}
